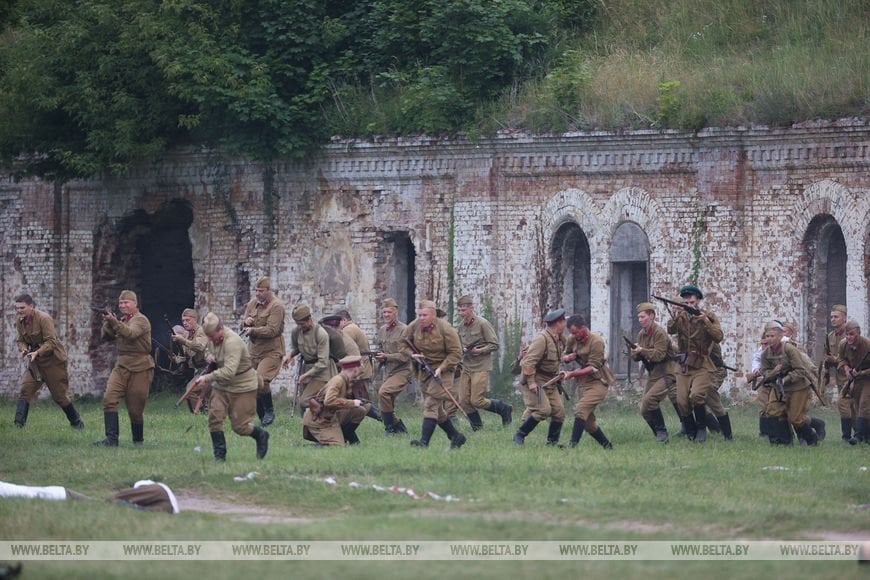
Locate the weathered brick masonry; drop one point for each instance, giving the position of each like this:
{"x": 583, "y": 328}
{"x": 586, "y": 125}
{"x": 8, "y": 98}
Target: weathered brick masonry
{"x": 749, "y": 211}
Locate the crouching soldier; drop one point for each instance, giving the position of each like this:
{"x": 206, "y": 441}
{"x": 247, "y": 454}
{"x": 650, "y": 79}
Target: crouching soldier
{"x": 332, "y": 417}
{"x": 233, "y": 388}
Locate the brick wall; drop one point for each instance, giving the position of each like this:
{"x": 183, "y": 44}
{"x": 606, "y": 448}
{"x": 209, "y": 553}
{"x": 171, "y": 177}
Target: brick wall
{"x": 735, "y": 206}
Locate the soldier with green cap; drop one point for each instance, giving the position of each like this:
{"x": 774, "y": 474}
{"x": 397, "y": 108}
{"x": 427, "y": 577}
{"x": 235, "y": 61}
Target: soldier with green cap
{"x": 396, "y": 365}
{"x": 334, "y": 414}
{"x": 134, "y": 368}
{"x": 783, "y": 367}
{"x": 845, "y": 404}
{"x": 435, "y": 342}
{"x": 311, "y": 342}
{"x": 695, "y": 337}
{"x": 233, "y": 388}
{"x": 479, "y": 341}
{"x": 263, "y": 324}
{"x": 654, "y": 348}
{"x": 540, "y": 365}
{"x": 37, "y": 340}
{"x": 193, "y": 343}
{"x": 855, "y": 364}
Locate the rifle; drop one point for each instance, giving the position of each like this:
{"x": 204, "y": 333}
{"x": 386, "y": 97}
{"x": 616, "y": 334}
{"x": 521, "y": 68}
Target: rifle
{"x": 210, "y": 367}
{"x": 28, "y": 363}
{"x": 467, "y": 349}
{"x": 431, "y": 372}
{"x": 102, "y": 310}
{"x": 298, "y": 373}
{"x": 690, "y": 309}
{"x": 632, "y": 345}
{"x": 847, "y": 390}
{"x": 777, "y": 378}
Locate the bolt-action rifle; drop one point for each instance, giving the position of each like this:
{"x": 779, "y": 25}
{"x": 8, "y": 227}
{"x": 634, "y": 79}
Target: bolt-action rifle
{"x": 424, "y": 364}
{"x": 690, "y": 309}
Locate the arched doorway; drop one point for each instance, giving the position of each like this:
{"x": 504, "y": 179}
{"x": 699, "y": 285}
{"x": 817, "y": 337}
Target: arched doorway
{"x": 571, "y": 284}
{"x": 629, "y": 285}
{"x": 825, "y": 282}
{"x": 400, "y": 273}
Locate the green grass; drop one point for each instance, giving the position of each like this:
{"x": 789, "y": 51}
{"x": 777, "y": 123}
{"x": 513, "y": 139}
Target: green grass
{"x": 640, "y": 490}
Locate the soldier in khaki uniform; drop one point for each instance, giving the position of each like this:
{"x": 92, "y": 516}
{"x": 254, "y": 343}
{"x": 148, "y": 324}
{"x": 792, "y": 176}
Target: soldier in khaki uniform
{"x": 655, "y": 349}
{"x": 845, "y": 405}
{"x": 396, "y": 365}
{"x": 193, "y": 343}
{"x": 855, "y": 364}
{"x": 718, "y": 419}
{"x": 311, "y": 342}
{"x": 479, "y": 341}
{"x": 233, "y": 388}
{"x": 333, "y": 415}
{"x": 350, "y": 329}
{"x": 539, "y": 366}
{"x": 438, "y": 345}
{"x": 37, "y": 340}
{"x": 263, "y": 324}
{"x": 783, "y": 367}
{"x": 134, "y": 368}
{"x": 790, "y": 334}
{"x": 594, "y": 377}
{"x": 695, "y": 338}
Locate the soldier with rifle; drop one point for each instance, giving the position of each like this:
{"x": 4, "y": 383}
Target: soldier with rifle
{"x": 263, "y": 324}
{"x": 233, "y": 388}
{"x": 334, "y": 326}
{"x": 351, "y": 330}
{"x": 45, "y": 361}
{"x": 434, "y": 345}
{"x": 656, "y": 351}
{"x": 193, "y": 343}
{"x": 334, "y": 414}
{"x": 134, "y": 368}
{"x": 594, "y": 376}
{"x": 310, "y": 342}
{"x": 790, "y": 334}
{"x": 396, "y": 365}
{"x": 854, "y": 354}
{"x": 541, "y": 393}
{"x": 831, "y": 366}
{"x": 479, "y": 341}
{"x": 783, "y": 367}
{"x": 696, "y": 331}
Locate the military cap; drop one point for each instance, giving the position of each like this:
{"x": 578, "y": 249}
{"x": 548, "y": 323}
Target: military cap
{"x": 301, "y": 312}
{"x": 554, "y": 315}
{"x": 210, "y": 322}
{"x": 263, "y": 283}
{"x": 428, "y": 304}
{"x": 773, "y": 325}
{"x": 128, "y": 295}
{"x": 331, "y": 320}
{"x": 690, "y": 289}
{"x": 351, "y": 361}
{"x": 189, "y": 312}
{"x": 389, "y": 303}
{"x": 467, "y": 299}
{"x": 852, "y": 325}
{"x": 839, "y": 308}
{"x": 644, "y": 306}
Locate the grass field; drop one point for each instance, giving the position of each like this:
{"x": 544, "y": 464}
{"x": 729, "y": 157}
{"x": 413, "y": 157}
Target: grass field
{"x": 640, "y": 490}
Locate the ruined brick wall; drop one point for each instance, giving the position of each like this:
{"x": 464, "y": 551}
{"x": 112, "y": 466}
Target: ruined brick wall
{"x": 733, "y": 207}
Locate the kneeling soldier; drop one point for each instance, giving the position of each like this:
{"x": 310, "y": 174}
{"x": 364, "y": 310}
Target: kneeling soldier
{"x": 233, "y": 388}
{"x": 332, "y": 418}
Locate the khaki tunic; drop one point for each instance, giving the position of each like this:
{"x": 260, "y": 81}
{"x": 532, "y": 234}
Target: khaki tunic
{"x": 313, "y": 347}
{"x": 542, "y": 363}
{"x": 234, "y": 385}
{"x": 656, "y": 347}
{"x": 796, "y": 383}
{"x": 592, "y": 388}
{"x": 845, "y": 405}
{"x": 194, "y": 346}
{"x": 134, "y": 367}
{"x": 51, "y": 363}
{"x": 474, "y": 381}
{"x": 439, "y": 344}
{"x": 267, "y": 338}
{"x": 695, "y": 338}
{"x": 852, "y": 356}
{"x": 397, "y": 366}
{"x": 338, "y": 409}
{"x": 362, "y": 343}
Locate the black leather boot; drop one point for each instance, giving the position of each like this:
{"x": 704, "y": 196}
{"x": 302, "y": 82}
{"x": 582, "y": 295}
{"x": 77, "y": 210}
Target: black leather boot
{"x": 649, "y": 421}
{"x": 503, "y": 410}
{"x": 602, "y": 439}
{"x": 260, "y": 410}
{"x": 475, "y": 420}
{"x": 846, "y": 428}
{"x": 779, "y": 431}
{"x": 689, "y": 427}
{"x": 261, "y": 436}
{"x": 425, "y": 432}
{"x": 577, "y": 431}
{"x": 712, "y": 423}
{"x": 660, "y": 429}
{"x": 349, "y": 432}
{"x": 110, "y": 419}
{"x": 138, "y": 430}
{"x": 527, "y": 427}
{"x": 268, "y": 407}
{"x": 457, "y": 439}
{"x": 862, "y": 432}
{"x": 554, "y": 432}
{"x": 807, "y": 434}
{"x": 764, "y": 426}
{"x": 374, "y": 413}
{"x": 399, "y": 427}
{"x": 389, "y": 421}
{"x": 22, "y": 409}
{"x": 219, "y": 445}
{"x": 819, "y": 427}
{"x": 725, "y": 426}
{"x": 73, "y": 417}
{"x": 700, "y": 424}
